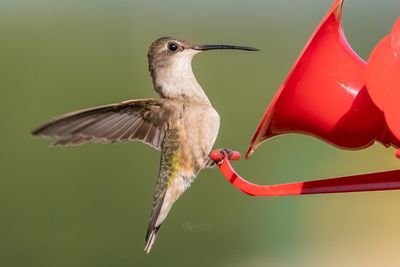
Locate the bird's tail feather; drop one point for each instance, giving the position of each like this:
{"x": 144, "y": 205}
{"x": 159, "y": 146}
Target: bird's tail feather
{"x": 150, "y": 239}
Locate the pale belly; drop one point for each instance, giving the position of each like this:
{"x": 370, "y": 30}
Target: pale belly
{"x": 200, "y": 130}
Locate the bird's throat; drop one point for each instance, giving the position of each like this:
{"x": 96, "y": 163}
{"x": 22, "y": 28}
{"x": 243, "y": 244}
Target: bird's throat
{"x": 175, "y": 80}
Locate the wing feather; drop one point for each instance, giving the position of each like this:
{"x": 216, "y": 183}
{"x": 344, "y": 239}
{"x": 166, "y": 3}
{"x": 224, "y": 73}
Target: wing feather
{"x": 144, "y": 120}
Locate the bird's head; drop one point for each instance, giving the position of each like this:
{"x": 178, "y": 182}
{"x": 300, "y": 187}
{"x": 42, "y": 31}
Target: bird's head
{"x": 170, "y": 60}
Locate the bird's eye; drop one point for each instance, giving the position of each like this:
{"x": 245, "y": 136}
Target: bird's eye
{"x": 173, "y": 47}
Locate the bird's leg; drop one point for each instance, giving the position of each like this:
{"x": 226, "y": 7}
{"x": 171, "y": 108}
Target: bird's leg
{"x": 210, "y": 163}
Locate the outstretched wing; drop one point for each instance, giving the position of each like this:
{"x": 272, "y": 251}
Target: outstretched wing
{"x": 144, "y": 120}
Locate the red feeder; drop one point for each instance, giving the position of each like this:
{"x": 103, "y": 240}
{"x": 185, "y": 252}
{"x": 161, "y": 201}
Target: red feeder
{"x": 383, "y": 78}
{"x": 327, "y": 95}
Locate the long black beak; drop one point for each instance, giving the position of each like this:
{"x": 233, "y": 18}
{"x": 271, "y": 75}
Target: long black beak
{"x": 212, "y": 47}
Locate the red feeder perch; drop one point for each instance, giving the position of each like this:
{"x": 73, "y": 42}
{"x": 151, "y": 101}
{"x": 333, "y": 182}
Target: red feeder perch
{"x": 332, "y": 94}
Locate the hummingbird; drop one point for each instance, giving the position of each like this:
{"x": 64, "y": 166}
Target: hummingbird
{"x": 181, "y": 123}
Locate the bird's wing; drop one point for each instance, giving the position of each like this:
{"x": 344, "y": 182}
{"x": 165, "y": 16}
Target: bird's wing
{"x": 144, "y": 120}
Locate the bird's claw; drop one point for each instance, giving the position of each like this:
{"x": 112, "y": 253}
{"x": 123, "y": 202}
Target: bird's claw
{"x": 227, "y": 151}
{"x": 218, "y": 155}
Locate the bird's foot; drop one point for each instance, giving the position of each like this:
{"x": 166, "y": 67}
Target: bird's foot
{"x": 218, "y": 155}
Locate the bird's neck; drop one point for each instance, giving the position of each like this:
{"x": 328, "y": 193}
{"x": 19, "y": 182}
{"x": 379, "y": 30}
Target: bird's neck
{"x": 175, "y": 80}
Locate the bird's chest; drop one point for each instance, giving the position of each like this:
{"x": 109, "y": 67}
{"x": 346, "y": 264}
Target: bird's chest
{"x": 199, "y": 128}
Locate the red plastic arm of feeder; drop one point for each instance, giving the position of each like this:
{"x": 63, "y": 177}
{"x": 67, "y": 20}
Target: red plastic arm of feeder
{"x": 388, "y": 180}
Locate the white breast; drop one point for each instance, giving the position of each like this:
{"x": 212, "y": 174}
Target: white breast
{"x": 202, "y": 125}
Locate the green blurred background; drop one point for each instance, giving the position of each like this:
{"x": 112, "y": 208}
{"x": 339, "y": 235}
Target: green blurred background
{"x": 89, "y": 205}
